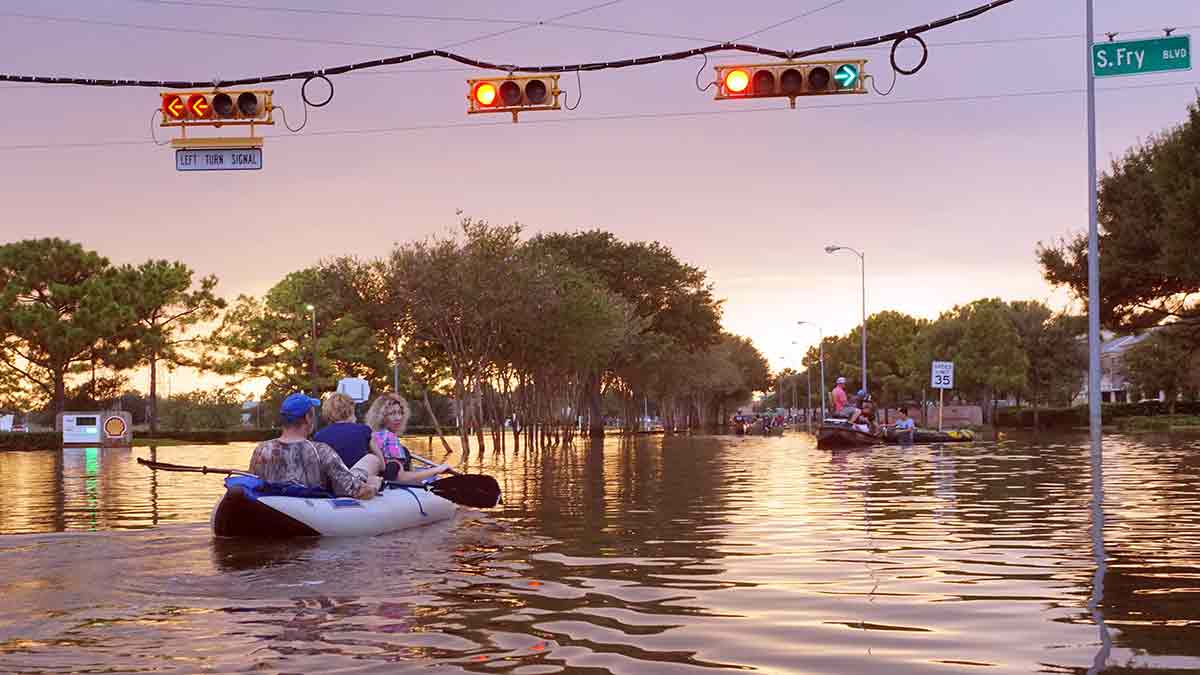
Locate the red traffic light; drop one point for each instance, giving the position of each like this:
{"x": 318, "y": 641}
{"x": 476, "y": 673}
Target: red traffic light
{"x": 513, "y": 94}
{"x": 198, "y": 106}
{"x": 172, "y": 105}
{"x": 217, "y": 108}
{"x": 790, "y": 79}
{"x": 736, "y": 81}
{"x": 485, "y": 93}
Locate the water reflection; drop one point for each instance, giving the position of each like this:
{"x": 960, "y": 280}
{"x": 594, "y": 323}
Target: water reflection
{"x": 630, "y": 556}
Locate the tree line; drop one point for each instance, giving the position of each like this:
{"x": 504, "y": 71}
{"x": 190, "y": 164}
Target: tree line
{"x": 1021, "y": 349}
{"x": 530, "y": 334}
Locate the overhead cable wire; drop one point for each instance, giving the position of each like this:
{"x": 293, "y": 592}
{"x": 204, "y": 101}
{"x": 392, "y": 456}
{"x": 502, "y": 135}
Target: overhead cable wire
{"x": 531, "y": 24}
{"x": 333, "y": 12}
{"x": 635, "y": 116}
{"x": 788, "y": 20}
{"x": 960, "y": 43}
{"x": 521, "y": 24}
{"x": 487, "y": 65}
{"x": 201, "y": 31}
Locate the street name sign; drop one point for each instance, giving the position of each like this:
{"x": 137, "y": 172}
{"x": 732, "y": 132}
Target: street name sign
{"x": 221, "y": 159}
{"x": 942, "y": 375}
{"x": 1134, "y": 57}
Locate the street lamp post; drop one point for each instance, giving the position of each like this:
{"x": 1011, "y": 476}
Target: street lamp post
{"x": 808, "y": 382}
{"x": 313, "y": 310}
{"x": 820, "y": 358}
{"x": 863, "y": 266}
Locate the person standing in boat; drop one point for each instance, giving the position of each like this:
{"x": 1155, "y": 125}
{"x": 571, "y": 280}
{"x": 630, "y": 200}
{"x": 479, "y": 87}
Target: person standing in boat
{"x": 838, "y": 397}
{"x": 388, "y": 419}
{"x": 292, "y": 458}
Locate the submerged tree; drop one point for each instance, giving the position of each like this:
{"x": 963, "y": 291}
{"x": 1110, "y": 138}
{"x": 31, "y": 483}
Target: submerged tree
{"x": 673, "y": 299}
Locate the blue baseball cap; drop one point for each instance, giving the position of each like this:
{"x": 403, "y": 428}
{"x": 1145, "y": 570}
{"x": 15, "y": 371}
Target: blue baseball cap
{"x": 297, "y": 405}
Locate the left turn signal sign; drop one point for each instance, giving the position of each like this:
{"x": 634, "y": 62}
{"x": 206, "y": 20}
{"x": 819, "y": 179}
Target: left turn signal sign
{"x": 172, "y": 105}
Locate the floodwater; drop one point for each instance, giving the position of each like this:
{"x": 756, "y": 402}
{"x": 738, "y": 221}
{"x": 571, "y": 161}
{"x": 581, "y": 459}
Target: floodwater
{"x": 648, "y": 555}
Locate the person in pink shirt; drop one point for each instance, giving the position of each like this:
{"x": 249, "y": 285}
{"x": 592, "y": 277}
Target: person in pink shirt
{"x": 838, "y": 396}
{"x": 388, "y": 418}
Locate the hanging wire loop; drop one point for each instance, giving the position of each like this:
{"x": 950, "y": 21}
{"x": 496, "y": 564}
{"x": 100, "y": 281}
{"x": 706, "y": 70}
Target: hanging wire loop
{"x": 924, "y": 55}
{"x": 304, "y": 91}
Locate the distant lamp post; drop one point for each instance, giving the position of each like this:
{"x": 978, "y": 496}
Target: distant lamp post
{"x": 863, "y": 266}
{"x": 313, "y": 310}
{"x": 808, "y": 383}
{"x": 820, "y": 358}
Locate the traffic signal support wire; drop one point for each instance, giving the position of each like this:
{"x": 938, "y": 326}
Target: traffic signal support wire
{"x": 309, "y": 75}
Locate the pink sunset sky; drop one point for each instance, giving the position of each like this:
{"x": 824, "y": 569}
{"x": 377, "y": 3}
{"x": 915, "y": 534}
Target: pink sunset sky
{"x": 948, "y": 184}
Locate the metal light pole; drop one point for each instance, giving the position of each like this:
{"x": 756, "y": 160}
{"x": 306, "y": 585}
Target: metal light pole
{"x": 862, "y": 260}
{"x": 779, "y": 386}
{"x": 313, "y": 310}
{"x": 1093, "y": 258}
{"x": 820, "y": 358}
{"x": 808, "y": 381}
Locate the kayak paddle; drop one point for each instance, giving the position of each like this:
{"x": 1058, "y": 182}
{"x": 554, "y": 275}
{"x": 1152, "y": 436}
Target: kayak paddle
{"x": 474, "y": 490}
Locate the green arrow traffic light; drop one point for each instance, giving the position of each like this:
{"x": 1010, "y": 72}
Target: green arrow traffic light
{"x": 846, "y": 75}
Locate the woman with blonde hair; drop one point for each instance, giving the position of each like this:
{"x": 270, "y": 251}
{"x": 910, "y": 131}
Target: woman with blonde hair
{"x": 388, "y": 418}
{"x": 349, "y": 439}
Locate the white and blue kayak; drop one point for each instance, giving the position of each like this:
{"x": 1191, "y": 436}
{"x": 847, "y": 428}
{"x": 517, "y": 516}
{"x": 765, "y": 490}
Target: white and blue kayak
{"x": 253, "y": 507}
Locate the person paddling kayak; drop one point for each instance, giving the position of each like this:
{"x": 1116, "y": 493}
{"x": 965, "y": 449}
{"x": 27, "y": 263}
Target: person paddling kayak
{"x": 292, "y": 458}
{"x": 388, "y": 418}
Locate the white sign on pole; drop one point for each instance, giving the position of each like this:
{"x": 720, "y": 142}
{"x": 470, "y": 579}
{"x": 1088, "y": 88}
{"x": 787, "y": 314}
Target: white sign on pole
{"x": 942, "y": 375}
{"x": 219, "y": 159}
{"x": 356, "y": 388}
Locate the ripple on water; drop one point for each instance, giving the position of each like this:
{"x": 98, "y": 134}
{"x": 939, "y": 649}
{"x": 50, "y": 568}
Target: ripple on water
{"x": 632, "y": 556}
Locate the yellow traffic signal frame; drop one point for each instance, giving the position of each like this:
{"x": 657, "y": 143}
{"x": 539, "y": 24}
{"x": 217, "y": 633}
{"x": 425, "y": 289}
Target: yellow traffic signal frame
{"x": 553, "y": 93}
{"x": 264, "y": 97}
{"x": 778, "y": 67}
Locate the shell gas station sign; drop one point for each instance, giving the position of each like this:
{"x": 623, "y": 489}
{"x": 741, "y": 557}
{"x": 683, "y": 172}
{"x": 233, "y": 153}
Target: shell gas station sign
{"x": 105, "y": 429}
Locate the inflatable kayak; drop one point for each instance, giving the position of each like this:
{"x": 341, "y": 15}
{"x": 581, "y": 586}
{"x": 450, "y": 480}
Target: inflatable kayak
{"x": 253, "y": 507}
{"x": 927, "y": 436}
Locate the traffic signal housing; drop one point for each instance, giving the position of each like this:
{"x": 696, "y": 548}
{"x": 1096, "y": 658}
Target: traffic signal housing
{"x": 217, "y": 108}
{"x": 514, "y": 94}
{"x": 791, "y": 79}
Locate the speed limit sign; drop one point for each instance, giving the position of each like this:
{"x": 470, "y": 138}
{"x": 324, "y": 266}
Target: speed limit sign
{"x": 943, "y": 375}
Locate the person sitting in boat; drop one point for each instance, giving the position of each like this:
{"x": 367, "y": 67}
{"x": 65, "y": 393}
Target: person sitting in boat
{"x": 349, "y": 439}
{"x": 292, "y": 458}
{"x": 865, "y": 417}
{"x": 388, "y": 419}
{"x": 904, "y": 427}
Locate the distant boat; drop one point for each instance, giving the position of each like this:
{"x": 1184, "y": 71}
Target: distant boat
{"x": 839, "y": 433}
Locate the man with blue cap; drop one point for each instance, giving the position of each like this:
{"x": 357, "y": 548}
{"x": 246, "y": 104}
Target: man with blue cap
{"x": 295, "y": 459}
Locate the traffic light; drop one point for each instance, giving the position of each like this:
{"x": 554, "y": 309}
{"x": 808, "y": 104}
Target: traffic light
{"x": 513, "y": 94}
{"x": 773, "y": 80}
{"x": 216, "y": 108}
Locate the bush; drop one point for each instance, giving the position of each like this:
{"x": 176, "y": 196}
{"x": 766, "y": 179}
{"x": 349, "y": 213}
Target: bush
{"x": 38, "y": 440}
{"x": 1058, "y": 418}
{"x": 219, "y": 435}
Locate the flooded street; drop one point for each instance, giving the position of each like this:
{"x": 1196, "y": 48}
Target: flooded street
{"x": 647, "y": 555}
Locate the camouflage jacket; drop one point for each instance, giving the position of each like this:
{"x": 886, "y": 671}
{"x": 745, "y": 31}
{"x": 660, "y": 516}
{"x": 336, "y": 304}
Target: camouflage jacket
{"x": 305, "y": 462}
